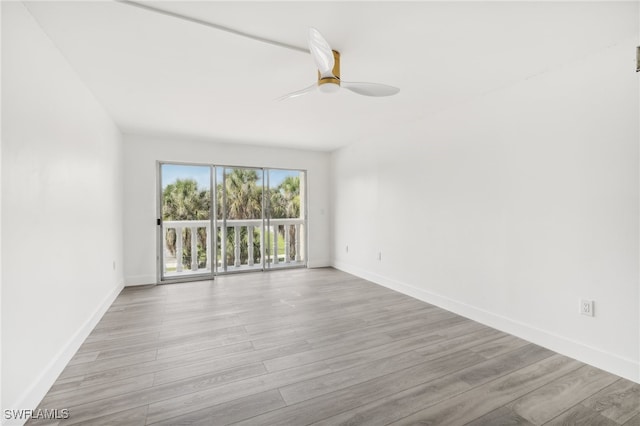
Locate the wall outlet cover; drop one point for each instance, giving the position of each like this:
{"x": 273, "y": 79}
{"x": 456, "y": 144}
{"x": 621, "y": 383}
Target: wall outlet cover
{"x": 586, "y": 307}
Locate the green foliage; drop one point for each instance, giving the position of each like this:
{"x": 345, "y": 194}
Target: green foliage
{"x": 183, "y": 200}
{"x": 285, "y": 203}
{"x": 243, "y": 195}
{"x": 285, "y": 199}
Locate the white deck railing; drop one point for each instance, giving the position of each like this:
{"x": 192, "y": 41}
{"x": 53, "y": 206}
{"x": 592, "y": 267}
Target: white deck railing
{"x": 297, "y": 225}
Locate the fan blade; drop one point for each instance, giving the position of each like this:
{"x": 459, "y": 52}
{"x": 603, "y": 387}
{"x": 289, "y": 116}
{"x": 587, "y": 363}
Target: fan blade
{"x": 370, "y": 89}
{"x": 321, "y": 52}
{"x": 299, "y": 92}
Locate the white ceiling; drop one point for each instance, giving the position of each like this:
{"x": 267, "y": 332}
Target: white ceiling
{"x": 161, "y": 75}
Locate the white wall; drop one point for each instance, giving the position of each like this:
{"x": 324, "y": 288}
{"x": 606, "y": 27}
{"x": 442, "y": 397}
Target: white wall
{"x": 511, "y": 208}
{"x": 62, "y": 210}
{"x": 140, "y": 156}
{"x": 0, "y": 228}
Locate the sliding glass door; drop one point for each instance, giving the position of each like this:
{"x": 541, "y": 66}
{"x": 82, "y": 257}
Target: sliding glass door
{"x": 185, "y": 223}
{"x": 285, "y": 222}
{"x": 258, "y": 218}
{"x": 239, "y": 195}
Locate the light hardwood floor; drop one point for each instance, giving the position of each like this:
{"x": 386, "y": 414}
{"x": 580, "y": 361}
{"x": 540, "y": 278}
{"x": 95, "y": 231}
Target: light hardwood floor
{"x": 319, "y": 346}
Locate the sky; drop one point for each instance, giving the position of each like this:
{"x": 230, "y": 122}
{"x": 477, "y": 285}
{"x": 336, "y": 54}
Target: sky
{"x": 201, "y": 174}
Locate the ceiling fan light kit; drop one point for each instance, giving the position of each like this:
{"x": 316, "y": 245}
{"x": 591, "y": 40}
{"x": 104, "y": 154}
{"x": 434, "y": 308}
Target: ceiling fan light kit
{"x": 328, "y": 63}
{"x": 331, "y": 84}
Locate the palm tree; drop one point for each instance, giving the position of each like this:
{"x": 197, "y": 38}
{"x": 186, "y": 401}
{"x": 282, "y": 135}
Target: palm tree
{"x": 243, "y": 201}
{"x": 285, "y": 203}
{"x": 244, "y": 197}
{"x": 290, "y": 190}
{"x": 182, "y": 200}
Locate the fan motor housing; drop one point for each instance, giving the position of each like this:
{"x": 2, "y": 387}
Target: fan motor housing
{"x": 335, "y": 71}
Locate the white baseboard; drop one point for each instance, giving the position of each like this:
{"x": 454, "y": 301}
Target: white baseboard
{"x": 34, "y": 394}
{"x": 318, "y": 263}
{"x": 623, "y": 367}
{"x": 140, "y": 280}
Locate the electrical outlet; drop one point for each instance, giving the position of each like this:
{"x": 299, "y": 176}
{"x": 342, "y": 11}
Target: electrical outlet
{"x": 586, "y": 307}
{"x": 379, "y": 255}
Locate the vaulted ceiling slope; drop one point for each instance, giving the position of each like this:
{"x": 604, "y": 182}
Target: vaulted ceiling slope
{"x": 161, "y": 75}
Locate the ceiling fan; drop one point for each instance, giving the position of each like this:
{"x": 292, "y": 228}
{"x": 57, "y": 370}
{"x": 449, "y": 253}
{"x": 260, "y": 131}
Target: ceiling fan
{"x": 328, "y": 63}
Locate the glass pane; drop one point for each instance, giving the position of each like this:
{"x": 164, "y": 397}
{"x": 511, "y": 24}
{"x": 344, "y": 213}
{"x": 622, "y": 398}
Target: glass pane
{"x": 240, "y": 198}
{"x": 186, "y": 214}
{"x": 286, "y": 218}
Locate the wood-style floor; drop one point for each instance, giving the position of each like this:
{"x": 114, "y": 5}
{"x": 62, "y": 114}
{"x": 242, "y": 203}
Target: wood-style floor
{"x": 319, "y": 346}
